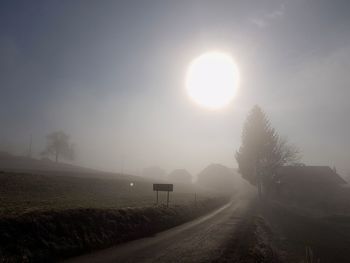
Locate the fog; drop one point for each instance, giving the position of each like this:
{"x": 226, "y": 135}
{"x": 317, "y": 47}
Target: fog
{"x": 112, "y": 76}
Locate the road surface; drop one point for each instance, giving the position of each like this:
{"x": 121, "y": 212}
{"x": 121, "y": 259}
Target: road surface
{"x": 200, "y": 240}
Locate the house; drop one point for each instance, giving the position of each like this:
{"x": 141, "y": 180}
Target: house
{"x": 307, "y": 184}
{"x": 180, "y": 176}
{"x": 218, "y": 177}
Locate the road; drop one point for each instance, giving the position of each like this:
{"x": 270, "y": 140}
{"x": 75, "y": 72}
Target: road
{"x": 200, "y": 240}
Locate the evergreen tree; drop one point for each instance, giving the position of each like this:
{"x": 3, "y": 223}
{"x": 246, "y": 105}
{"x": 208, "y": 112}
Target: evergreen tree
{"x": 262, "y": 151}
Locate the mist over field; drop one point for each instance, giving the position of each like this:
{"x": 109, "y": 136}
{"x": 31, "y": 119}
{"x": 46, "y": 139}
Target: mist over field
{"x": 112, "y": 76}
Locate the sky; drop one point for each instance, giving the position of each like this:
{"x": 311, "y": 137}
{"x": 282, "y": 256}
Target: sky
{"x": 111, "y": 74}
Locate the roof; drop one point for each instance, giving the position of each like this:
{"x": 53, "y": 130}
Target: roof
{"x": 309, "y": 174}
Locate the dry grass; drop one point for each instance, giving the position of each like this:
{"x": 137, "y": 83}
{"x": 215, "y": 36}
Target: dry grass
{"x": 43, "y": 236}
{"x": 46, "y": 217}
{"x": 251, "y": 242}
{"x": 22, "y": 193}
{"x": 306, "y": 238}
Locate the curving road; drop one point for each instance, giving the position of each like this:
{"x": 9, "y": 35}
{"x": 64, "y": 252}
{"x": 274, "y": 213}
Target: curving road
{"x": 200, "y": 240}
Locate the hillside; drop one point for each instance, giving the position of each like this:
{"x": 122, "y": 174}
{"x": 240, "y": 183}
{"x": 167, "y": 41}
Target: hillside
{"x": 91, "y": 209}
{"x": 25, "y": 165}
{"x": 13, "y": 163}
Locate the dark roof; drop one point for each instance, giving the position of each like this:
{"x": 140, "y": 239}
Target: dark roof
{"x": 308, "y": 174}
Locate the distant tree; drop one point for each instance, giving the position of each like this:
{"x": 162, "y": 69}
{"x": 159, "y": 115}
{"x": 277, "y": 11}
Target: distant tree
{"x": 180, "y": 176}
{"x": 262, "y": 151}
{"x": 58, "y": 145}
{"x": 154, "y": 172}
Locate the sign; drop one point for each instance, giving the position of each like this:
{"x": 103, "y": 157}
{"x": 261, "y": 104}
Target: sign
{"x": 163, "y": 187}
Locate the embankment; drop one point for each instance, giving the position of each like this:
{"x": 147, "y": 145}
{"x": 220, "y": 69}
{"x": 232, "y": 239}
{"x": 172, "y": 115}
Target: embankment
{"x": 43, "y": 236}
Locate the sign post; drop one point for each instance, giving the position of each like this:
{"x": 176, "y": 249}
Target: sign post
{"x": 167, "y": 200}
{"x": 165, "y": 188}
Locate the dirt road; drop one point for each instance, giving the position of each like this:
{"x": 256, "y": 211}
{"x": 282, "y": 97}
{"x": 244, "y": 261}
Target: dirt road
{"x": 201, "y": 240}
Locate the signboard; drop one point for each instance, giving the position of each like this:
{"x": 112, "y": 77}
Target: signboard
{"x": 163, "y": 187}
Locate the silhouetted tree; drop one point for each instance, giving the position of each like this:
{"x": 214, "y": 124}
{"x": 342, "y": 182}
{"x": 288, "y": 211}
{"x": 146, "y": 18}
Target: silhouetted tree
{"x": 58, "y": 145}
{"x": 262, "y": 151}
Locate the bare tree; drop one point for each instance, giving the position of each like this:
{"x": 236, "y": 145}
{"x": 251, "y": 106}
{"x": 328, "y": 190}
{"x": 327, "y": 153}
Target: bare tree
{"x": 262, "y": 151}
{"x": 58, "y": 145}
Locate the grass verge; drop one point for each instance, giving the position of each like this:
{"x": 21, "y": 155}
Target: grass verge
{"x": 250, "y": 242}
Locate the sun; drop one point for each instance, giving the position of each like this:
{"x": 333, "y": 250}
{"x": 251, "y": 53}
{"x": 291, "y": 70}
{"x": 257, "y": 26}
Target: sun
{"x": 212, "y": 80}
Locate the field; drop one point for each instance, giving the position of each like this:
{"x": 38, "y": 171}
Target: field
{"x": 21, "y": 193}
{"x": 28, "y": 185}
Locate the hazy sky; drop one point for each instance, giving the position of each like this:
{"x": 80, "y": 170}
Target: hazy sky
{"x": 112, "y": 73}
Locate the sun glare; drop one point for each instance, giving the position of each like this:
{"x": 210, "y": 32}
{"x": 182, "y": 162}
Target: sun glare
{"x": 212, "y": 80}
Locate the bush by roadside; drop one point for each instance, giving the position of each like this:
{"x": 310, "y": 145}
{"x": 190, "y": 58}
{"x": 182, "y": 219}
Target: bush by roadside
{"x": 43, "y": 236}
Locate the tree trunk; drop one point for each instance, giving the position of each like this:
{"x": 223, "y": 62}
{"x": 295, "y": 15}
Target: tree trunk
{"x": 259, "y": 189}
{"x": 258, "y": 179}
